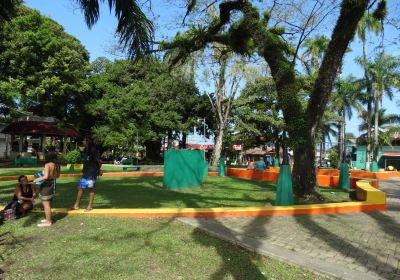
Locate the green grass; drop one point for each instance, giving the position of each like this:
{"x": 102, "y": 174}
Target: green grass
{"x": 16, "y": 171}
{"x": 77, "y": 247}
{"x": 148, "y": 192}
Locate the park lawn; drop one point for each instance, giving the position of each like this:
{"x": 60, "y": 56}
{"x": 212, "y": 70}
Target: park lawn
{"x": 77, "y": 247}
{"x": 148, "y": 192}
{"x": 16, "y": 171}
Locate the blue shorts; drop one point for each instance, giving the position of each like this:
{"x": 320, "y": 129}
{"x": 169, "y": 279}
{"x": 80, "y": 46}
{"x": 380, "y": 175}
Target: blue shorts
{"x": 86, "y": 183}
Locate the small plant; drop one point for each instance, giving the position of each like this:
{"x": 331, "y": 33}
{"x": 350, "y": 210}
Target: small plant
{"x": 73, "y": 157}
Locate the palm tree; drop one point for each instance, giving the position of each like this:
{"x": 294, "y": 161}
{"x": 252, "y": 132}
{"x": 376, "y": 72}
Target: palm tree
{"x": 384, "y": 72}
{"x": 343, "y": 100}
{"x": 367, "y": 23}
{"x": 327, "y": 129}
{"x": 387, "y": 125}
{"x": 315, "y": 48}
{"x": 135, "y": 30}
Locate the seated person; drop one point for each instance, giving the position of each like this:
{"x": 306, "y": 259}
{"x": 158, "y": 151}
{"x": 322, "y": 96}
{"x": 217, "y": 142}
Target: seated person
{"x": 25, "y": 194}
{"x": 260, "y": 165}
{"x": 251, "y": 165}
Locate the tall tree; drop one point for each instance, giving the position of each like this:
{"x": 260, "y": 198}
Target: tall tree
{"x": 344, "y": 99}
{"x": 42, "y": 68}
{"x": 257, "y": 115}
{"x": 226, "y": 71}
{"x": 141, "y": 102}
{"x": 368, "y": 23}
{"x": 134, "y": 29}
{"x": 315, "y": 49}
{"x": 388, "y": 124}
{"x": 247, "y": 33}
{"x": 384, "y": 73}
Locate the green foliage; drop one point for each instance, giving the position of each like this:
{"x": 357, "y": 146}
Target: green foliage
{"x": 143, "y": 99}
{"x": 257, "y": 115}
{"x": 43, "y": 69}
{"x": 334, "y": 158}
{"x": 73, "y": 156}
{"x": 381, "y": 10}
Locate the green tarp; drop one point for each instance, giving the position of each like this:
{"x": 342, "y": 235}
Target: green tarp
{"x": 184, "y": 169}
{"x": 276, "y": 162}
{"x": 344, "y": 179}
{"x": 284, "y": 192}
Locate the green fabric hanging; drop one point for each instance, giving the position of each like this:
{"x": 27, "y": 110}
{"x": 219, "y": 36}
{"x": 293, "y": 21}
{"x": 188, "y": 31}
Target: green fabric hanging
{"x": 284, "y": 193}
{"x": 276, "y": 162}
{"x": 184, "y": 169}
{"x": 344, "y": 179}
{"x": 374, "y": 166}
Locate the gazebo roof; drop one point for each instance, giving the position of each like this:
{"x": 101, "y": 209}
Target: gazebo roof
{"x": 40, "y": 127}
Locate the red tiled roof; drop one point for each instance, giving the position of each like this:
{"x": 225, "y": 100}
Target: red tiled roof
{"x": 40, "y": 128}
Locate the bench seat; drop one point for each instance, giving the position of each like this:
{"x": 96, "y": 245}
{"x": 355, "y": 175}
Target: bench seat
{"x": 135, "y": 168}
{"x": 21, "y": 161}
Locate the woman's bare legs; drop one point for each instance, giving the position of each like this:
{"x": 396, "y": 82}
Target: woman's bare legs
{"x": 47, "y": 211}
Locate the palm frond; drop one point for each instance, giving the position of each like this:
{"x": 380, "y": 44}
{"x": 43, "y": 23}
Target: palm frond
{"x": 135, "y": 30}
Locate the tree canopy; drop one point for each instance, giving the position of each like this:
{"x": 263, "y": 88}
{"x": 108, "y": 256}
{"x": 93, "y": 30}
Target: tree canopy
{"x": 143, "y": 99}
{"x": 42, "y": 69}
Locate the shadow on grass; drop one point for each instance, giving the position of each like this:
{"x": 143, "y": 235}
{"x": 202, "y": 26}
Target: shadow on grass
{"x": 32, "y": 219}
{"x": 360, "y": 256}
{"x": 8, "y": 241}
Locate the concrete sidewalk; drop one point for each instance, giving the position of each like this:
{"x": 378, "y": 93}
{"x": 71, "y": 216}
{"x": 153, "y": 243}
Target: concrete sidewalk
{"x": 347, "y": 246}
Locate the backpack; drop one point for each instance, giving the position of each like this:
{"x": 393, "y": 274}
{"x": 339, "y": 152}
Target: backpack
{"x": 13, "y": 211}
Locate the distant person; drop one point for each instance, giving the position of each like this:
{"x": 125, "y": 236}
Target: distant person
{"x": 267, "y": 162}
{"x": 260, "y": 165}
{"x": 91, "y": 169}
{"x": 47, "y": 181}
{"x": 251, "y": 165}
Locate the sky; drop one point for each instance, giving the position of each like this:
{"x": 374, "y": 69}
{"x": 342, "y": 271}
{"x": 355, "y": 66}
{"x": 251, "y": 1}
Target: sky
{"x": 100, "y": 40}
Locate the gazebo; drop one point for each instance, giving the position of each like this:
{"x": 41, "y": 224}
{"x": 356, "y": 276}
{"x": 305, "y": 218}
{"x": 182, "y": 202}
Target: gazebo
{"x": 29, "y": 133}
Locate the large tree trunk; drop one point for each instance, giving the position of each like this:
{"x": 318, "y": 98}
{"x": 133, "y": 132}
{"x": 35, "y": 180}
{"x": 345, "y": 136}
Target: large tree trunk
{"x": 304, "y": 172}
{"x": 218, "y": 145}
{"x": 153, "y": 149}
{"x": 184, "y": 140}
{"x": 277, "y": 150}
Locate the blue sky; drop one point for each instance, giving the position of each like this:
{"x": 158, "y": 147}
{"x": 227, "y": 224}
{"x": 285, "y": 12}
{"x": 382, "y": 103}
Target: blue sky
{"x": 100, "y": 40}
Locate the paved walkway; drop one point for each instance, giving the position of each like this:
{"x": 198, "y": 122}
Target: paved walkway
{"x": 348, "y": 246}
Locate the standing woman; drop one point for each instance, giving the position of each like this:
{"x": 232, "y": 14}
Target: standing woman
{"x": 47, "y": 189}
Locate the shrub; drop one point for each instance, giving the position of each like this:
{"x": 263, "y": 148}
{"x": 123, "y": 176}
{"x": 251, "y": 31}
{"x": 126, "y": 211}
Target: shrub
{"x": 73, "y": 156}
{"x": 334, "y": 158}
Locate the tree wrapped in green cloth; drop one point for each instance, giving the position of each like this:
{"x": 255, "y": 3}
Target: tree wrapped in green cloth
{"x": 184, "y": 169}
{"x": 344, "y": 179}
{"x": 284, "y": 193}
